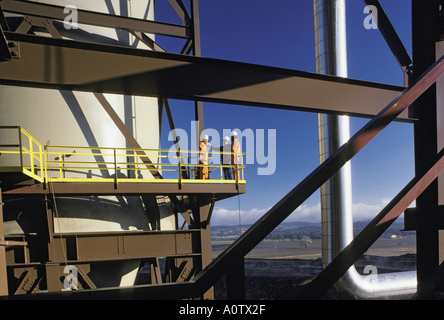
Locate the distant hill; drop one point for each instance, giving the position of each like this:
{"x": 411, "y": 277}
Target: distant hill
{"x": 296, "y": 230}
{"x": 284, "y": 224}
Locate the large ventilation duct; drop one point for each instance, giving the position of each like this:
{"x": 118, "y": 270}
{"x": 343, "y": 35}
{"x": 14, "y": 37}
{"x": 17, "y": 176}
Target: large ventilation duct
{"x": 336, "y": 194}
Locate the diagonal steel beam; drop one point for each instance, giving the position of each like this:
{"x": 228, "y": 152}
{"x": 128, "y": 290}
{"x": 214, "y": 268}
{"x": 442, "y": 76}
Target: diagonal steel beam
{"x": 277, "y": 214}
{"x": 127, "y": 134}
{"x": 171, "y": 124}
{"x": 390, "y": 35}
{"x": 339, "y": 266}
{"x": 153, "y": 45}
{"x": 24, "y": 27}
{"x": 429, "y": 286}
{"x": 133, "y": 142}
{"x": 267, "y": 223}
{"x": 96, "y": 18}
{"x": 181, "y": 11}
{"x": 3, "y": 22}
{"x": 5, "y": 54}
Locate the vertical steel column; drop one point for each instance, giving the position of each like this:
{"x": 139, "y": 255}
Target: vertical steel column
{"x": 236, "y": 280}
{"x": 425, "y": 16}
{"x": 198, "y": 105}
{"x": 3, "y": 271}
{"x": 203, "y": 243}
{"x": 201, "y": 213}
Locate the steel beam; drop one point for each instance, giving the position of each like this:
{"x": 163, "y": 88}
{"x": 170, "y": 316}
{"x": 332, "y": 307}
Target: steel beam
{"x": 128, "y": 188}
{"x": 429, "y": 240}
{"x": 256, "y": 233}
{"x": 416, "y": 218}
{"x": 196, "y": 27}
{"x": 160, "y": 113}
{"x": 200, "y": 220}
{"x": 180, "y": 269}
{"x": 277, "y": 214}
{"x": 96, "y": 18}
{"x": 236, "y": 280}
{"x": 210, "y": 212}
{"x": 434, "y": 282}
{"x": 170, "y": 291}
{"x": 127, "y": 134}
{"x": 337, "y": 268}
{"x": 71, "y": 65}
{"x": 3, "y": 272}
{"x": 390, "y": 36}
{"x": 123, "y": 245}
{"x": 147, "y": 41}
{"x": 24, "y": 27}
{"x": 169, "y": 114}
{"x": 95, "y": 247}
{"x": 3, "y": 22}
{"x": 85, "y": 278}
{"x": 181, "y": 11}
{"x": 29, "y": 282}
{"x": 133, "y": 142}
{"x": 198, "y": 104}
{"x": 156, "y": 275}
{"x": 5, "y": 54}
{"x": 13, "y": 243}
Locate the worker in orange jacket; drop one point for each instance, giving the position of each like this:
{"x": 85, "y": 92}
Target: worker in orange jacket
{"x": 235, "y": 154}
{"x": 202, "y": 172}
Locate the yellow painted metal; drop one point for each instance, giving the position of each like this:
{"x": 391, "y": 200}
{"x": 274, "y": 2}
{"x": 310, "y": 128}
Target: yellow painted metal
{"x": 30, "y": 153}
{"x": 55, "y": 163}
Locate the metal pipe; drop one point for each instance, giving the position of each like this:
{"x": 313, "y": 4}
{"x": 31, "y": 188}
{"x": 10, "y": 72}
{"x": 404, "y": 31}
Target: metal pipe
{"x": 336, "y": 194}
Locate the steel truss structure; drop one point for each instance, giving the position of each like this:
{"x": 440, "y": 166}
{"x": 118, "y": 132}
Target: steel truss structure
{"x": 27, "y": 59}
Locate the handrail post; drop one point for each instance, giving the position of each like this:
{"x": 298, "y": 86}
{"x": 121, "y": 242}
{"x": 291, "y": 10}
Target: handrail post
{"x": 21, "y": 147}
{"x": 243, "y": 168}
{"x": 115, "y": 169}
{"x": 237, "y": 176}
{"x": 60, "y": 172}
{"x": 46, "y": 164}
{"x": 180, "y": 169}
{"x": 60, "y": 166}
{"x": 192, "y": 175}
{"x": 136, "y": 167}
{"x": 31, "y": 151}
{"x": 42, "y": 173}
{"x": 208, "y": 166}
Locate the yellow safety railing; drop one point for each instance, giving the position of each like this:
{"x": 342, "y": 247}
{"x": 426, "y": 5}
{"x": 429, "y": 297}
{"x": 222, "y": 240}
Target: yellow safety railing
{"x": 120, "y": 165}
{"x": 24, "y": 154}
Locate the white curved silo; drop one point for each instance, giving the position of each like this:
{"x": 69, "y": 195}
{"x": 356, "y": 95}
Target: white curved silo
{"x": 77, "y": 119}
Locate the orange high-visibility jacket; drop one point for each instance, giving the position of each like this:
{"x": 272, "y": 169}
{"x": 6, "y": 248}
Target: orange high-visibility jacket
{"x": 235, "y": 148}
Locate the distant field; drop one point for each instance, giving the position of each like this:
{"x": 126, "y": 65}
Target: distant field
{"x": 294, "y": 250}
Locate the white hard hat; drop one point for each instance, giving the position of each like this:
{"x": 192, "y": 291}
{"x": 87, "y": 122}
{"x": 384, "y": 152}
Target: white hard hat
{"x": 205, "y": 137}
{"x": 234, "y": 134}
{"x": 226, "y": 138}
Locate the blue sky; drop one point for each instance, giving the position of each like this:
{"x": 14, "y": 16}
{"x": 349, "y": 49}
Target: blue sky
{"x": 282, "y": 35}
